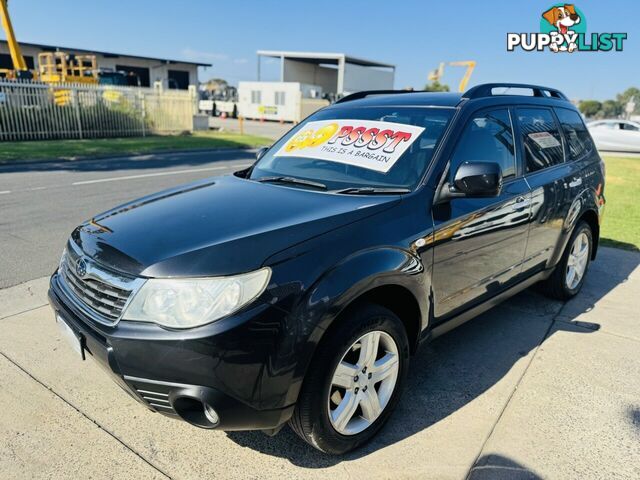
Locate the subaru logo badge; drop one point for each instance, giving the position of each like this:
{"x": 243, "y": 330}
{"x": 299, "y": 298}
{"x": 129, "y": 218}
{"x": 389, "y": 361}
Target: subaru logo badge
{"x": 81, "y": 267}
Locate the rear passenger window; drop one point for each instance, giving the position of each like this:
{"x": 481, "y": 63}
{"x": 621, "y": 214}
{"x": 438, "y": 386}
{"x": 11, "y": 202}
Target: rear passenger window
{"x": 541, "y": 139}
{"x": 487, "y": 137}
{"x": 575, "y": 132}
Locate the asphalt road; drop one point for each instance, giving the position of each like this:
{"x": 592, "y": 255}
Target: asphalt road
{"x": 40, "y": 204}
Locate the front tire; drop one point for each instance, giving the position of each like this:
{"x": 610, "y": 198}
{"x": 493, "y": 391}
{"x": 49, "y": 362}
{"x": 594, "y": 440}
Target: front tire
{"x": 354, "y": 381}
{"x": 568, "y": 277}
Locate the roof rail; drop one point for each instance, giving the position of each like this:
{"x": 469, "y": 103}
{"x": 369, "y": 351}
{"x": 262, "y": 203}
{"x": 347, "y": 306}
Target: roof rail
{"x": 486, "y": 90}
{"x": 370, "y": 93}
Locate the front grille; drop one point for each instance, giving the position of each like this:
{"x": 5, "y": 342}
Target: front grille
{"x": 104, "y": 299}
{"x": 102, "y": 294}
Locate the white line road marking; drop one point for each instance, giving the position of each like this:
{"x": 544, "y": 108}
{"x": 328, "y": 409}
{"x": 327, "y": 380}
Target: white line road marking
{"x": 132, "y": 177}
{"x": 159, "y": 174}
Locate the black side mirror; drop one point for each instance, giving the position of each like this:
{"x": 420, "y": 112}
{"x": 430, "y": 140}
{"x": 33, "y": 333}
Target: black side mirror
{"x": 473, "y": 179}
{"x": 260, "y": 153}
{"x": 479, "y": 179}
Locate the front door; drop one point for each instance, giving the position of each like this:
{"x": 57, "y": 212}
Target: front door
{"x": 480, "y": 242}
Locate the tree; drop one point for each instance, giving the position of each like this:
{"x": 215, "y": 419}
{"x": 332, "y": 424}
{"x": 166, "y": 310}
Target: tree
{"x": 611, "y": 108}
{"x": 627, "y": 95}
{"x": 590, "y": 108}
{"x": 215, "y": 84}
{"x": 436, "y": 86}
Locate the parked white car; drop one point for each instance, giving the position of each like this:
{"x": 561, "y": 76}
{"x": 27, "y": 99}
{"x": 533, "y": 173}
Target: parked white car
{"x": 616, "y": 135}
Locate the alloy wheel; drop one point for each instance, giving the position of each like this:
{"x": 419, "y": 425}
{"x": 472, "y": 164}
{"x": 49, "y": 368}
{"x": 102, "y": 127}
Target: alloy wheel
{"x": 363, "y": 382}
{"x": 577, "y": 261}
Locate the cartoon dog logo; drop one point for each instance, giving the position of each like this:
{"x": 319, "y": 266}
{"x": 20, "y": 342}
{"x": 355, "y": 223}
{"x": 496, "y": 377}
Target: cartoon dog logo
{"x": 563, "y": 17}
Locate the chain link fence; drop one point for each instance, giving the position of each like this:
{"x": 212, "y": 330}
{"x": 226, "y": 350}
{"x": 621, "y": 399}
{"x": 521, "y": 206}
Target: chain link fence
{"x": 38, "y": 111}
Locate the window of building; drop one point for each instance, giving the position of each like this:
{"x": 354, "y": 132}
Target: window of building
{"x": 541, "y": 139}
{"x": 487, "y": 137}
{"x": 137, "y": 74}
{"x": 178, "y": 79}
{"x": 256, "y": 97}
{"x": 6, "y": 62}
{"x": 280, "y": 98}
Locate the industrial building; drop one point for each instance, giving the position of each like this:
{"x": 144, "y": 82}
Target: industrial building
{"x": 336, "y": 73}
{"x": 178, "y": 74}
{"x": 309, "y": 81}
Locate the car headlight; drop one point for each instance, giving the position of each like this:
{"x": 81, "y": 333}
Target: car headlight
{"x": 187, "y": 303}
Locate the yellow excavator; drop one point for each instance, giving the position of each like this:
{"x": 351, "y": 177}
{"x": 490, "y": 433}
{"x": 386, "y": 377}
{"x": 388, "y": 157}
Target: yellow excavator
{"x": 437, "y": 74}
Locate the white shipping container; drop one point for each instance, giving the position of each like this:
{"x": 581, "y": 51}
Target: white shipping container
{"x": 280, "y": 101}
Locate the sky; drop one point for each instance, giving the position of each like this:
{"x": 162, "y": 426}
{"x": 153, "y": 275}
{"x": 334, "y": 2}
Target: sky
{"x": 413, "y": 35}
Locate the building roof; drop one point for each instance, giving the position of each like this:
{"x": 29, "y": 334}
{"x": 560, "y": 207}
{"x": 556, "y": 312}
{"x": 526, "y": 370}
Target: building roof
{"x": 321, "y": 57}
{"x": 53, "y": 48}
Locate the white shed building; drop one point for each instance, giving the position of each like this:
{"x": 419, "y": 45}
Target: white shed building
{"x": 309, "y": 81}
{"x": 336, "y": 73}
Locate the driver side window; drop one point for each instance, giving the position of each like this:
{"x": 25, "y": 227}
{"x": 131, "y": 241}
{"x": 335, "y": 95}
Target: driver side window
{"x": 487, "y": 137}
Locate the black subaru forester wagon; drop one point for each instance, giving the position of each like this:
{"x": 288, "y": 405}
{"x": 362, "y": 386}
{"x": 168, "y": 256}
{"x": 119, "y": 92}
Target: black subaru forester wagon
{"x": 298, "y": 290}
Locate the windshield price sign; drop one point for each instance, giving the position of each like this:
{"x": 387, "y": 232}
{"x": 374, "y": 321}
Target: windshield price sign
{"x": 362, "y": 143}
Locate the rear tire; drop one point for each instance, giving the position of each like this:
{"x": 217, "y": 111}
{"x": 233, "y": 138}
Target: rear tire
{"x": 337, "y": 379}
{"x": 568, "y": 276}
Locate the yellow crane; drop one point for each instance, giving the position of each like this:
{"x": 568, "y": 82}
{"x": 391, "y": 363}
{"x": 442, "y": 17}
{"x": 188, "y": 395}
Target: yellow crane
{"x": 437, "y": 74}
{"x": 20, "y": 69}
{"x": 470, "y": 64}
{"x": 53, "y": 67}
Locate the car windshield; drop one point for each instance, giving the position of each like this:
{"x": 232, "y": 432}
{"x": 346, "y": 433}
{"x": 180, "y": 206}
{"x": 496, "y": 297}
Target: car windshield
{"x": 357, "y": 147}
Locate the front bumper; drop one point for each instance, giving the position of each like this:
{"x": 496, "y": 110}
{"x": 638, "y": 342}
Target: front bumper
{"x": 176, "y": 373}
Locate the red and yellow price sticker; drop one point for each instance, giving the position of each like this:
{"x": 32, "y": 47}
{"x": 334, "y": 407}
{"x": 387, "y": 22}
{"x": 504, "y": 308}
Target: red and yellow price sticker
{"x": 311, "y": 138}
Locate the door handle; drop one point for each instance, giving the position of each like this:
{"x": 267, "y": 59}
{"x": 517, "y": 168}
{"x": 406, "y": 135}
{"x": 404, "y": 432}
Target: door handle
{"x": 575, "y": 183}
{"x": 521, "y": 202}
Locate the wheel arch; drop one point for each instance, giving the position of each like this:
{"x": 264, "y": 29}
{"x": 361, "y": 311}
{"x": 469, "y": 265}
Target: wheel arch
{"x": 591, "y": 218}
{"x": 399, "y": 300}
{"x": 583, "y": 208}
{"x": 389, "y": 277}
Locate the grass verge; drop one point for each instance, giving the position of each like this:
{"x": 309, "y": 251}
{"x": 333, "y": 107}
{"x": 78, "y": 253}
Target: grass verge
{"x": 621, "y": 225}
{"x": 16, "y": 152}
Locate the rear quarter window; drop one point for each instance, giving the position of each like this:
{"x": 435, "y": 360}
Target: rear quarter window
{"x": 575, "y": 132}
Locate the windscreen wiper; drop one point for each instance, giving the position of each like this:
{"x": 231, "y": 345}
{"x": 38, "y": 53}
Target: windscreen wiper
{"x": 293, "y": 180}
{"x": 373, "y": 191}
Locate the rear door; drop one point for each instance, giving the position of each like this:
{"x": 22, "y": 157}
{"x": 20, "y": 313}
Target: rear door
{"x": 480, "y": 242}
{"x": 552, "y": 181}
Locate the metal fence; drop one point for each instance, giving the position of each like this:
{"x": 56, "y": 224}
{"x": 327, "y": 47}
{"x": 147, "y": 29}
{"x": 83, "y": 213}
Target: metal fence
{"x": 38, "y": 111}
